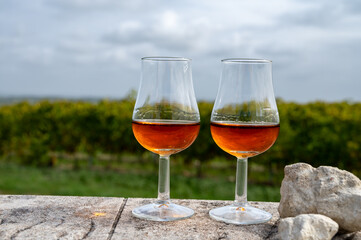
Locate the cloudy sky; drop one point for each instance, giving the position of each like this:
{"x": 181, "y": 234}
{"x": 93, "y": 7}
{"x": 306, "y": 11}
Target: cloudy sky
{"x": 82, "y": 48}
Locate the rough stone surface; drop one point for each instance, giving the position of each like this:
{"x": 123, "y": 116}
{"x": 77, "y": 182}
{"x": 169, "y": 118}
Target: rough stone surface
{"x": 54, "y": 217}
{"x": 307, "y": 226}
{"x": 199, "y": 226}
{"x": 356, "y": 236}
{"x": 324, "y": 190}
{"x": 50, "y": 217}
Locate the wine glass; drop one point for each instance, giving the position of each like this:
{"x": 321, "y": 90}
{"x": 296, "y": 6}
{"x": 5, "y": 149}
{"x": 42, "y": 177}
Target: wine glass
{"x": 165, "y": 121}
{"x": 244, "y": 123}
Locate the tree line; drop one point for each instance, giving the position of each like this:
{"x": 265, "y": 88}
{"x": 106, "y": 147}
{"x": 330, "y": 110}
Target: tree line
{"x": 318, "y": 133}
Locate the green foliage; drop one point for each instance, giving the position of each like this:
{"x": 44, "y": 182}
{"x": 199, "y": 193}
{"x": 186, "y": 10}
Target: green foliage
{"x": 255, "y": 111}
{"x": 318, "y": 133}
{"x": 166, "y": 110}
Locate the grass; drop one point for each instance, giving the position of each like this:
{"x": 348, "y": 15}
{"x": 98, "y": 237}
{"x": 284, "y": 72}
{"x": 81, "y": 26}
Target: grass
{"x": 19, "y": 179}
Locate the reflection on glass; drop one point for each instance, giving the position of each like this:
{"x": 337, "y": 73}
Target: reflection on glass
{"x": 165, "y": 121}
{"x": 244, "y": 123}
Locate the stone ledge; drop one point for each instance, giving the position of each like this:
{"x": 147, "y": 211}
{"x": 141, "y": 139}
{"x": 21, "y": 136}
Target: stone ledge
{"x": 59, "y": 217}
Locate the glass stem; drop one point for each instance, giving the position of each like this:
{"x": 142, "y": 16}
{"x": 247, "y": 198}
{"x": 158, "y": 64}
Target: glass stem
{"x": 163, "y": 180}
{"x": 241, "y": 182}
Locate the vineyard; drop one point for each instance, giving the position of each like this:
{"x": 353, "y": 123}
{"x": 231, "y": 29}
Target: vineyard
{"x": 35, "y": 134}
{"x": 88, "y": 148}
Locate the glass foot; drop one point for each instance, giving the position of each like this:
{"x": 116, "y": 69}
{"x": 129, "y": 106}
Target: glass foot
{"x": 163, "y": 212}
{"x": 240, "y": 215}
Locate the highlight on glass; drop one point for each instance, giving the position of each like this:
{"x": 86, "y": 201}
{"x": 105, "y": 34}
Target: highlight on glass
{"x": 244, "y": 123}
{"x": 165, "y": 121}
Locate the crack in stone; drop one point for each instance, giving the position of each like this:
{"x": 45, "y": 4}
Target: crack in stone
{"x": 91, "y": 229}
{"x": 62, "y": 235}
{"x": 61, "y": 222}
{"x": 117, "y": 218}
{"x": 273, "y": 230}
{"x": 224, "y": 235}
{"x": 12, "y": 237}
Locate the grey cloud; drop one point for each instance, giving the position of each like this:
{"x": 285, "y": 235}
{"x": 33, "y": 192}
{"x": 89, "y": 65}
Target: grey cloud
{"x": 322, "y": 16}
{"x": 352, "y": 6}
{"x": 349, "y": 6}
{"x": 133, "y": 35}
{"x": 79, "y": 47}
{"x": 186, "y": 36}
{"x": 281, "y": 57}
{"x": 95, "y": 5}
{"x": 323, "y": 13}
{"x": 160, "y": 40}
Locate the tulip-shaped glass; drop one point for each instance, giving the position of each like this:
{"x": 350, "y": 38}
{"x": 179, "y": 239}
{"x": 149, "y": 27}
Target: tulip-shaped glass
{"x": 244, "y": 123}
{"x": 165, "y": 121}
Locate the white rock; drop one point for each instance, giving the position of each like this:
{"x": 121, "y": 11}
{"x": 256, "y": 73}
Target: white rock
{"x": 307, "y": 226}
{"x": 324, "y": 190}
{"x": 356, "y": 236}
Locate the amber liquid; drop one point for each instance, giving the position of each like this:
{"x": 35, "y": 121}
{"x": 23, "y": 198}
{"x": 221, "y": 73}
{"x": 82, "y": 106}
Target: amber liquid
{"x": 165, "y": 137}
{"x": 244, "y": 140}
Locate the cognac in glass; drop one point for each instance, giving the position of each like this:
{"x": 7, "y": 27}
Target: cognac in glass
{"x": 165, "y": 121}
{"x": 244, "y": 123}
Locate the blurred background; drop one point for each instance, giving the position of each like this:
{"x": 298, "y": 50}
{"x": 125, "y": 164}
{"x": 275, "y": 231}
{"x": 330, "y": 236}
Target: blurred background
{"x": 70, "y": 69}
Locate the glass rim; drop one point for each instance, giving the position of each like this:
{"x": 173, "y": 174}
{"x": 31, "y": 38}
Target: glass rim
{"x": 246, "y": 60}
{"x": 161, "y": 58}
